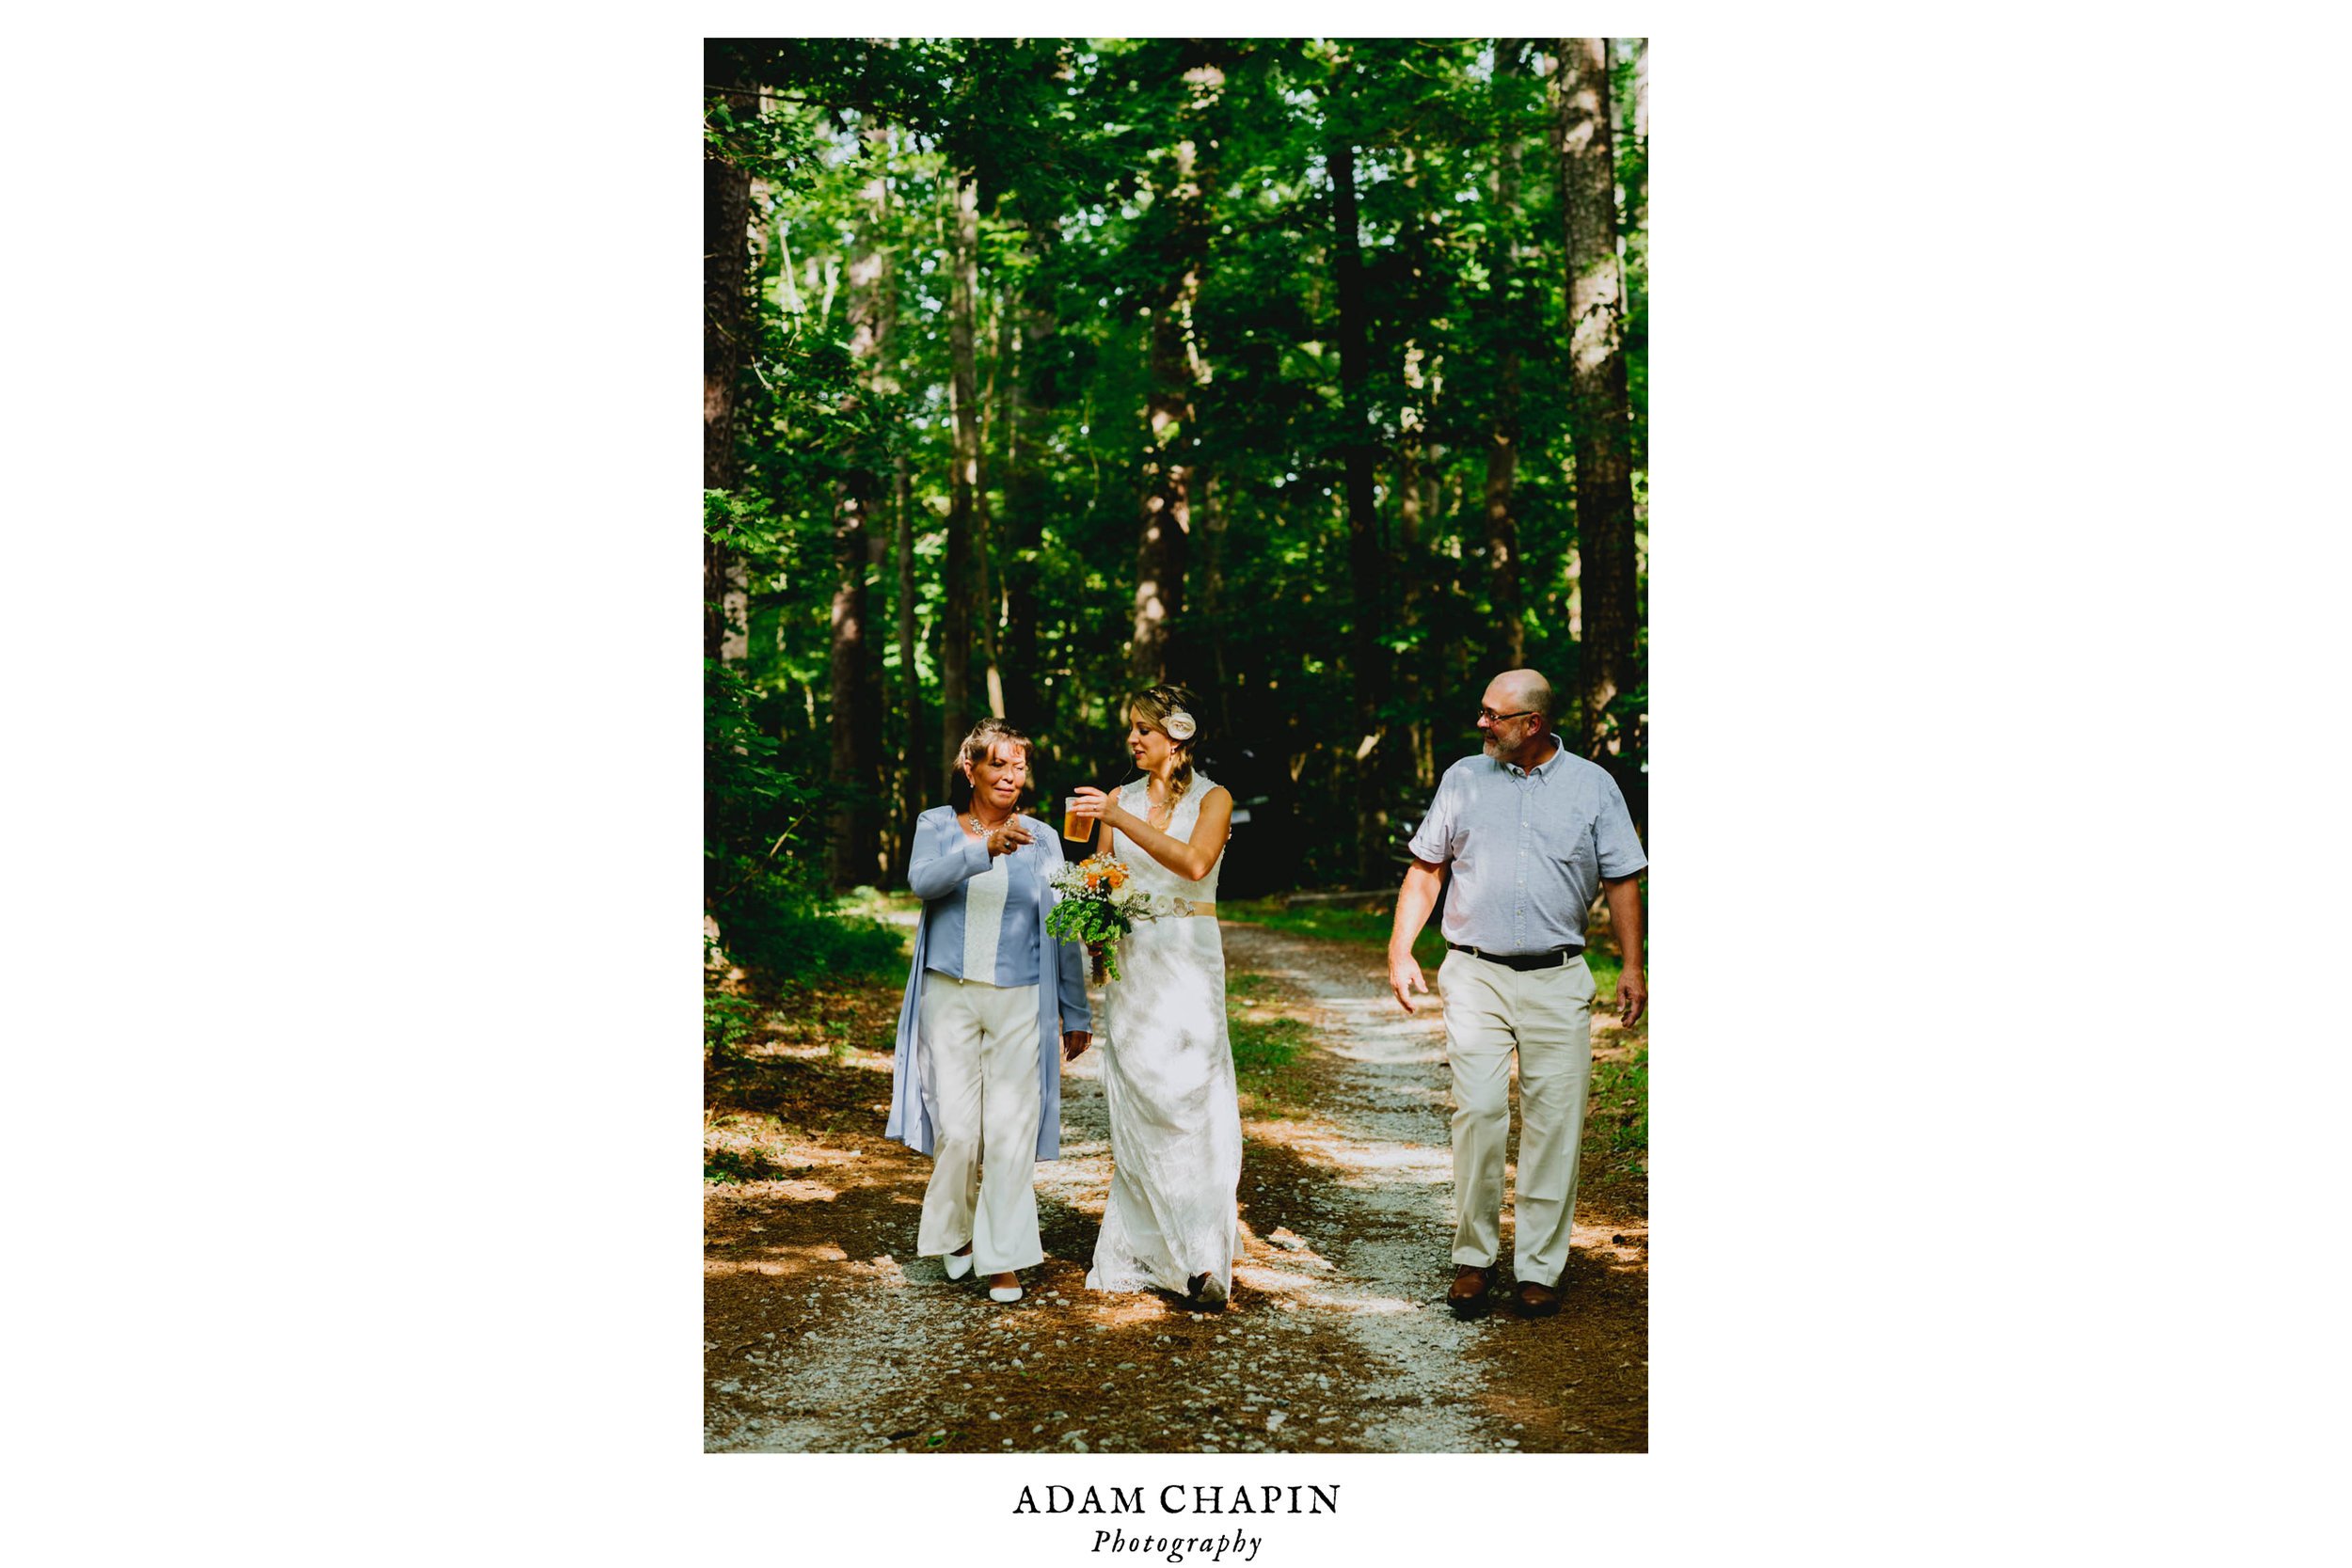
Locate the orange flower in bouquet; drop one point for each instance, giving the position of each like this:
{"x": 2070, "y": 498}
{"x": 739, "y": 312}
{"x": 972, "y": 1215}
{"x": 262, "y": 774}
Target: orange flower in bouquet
{"x": 1092, "y": 910}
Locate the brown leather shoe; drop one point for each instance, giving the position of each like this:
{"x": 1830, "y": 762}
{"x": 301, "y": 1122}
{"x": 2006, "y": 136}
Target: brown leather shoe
{"x": 1537, "y": 1301}
{"x": 1467, "y": 1294}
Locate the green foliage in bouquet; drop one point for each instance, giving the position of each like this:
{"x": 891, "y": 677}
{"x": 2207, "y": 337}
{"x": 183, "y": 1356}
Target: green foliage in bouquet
{"x": 1092, "y": 910}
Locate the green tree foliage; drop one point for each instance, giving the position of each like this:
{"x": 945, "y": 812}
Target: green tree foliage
{"x": 1079, "y": 149}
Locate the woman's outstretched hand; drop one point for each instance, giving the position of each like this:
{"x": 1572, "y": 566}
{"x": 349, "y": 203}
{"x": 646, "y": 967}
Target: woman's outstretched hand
{"x": 1007, "y": 836}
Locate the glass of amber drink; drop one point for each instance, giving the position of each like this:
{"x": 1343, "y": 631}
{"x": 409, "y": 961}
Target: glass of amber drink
{"x": 1075, "y": 828}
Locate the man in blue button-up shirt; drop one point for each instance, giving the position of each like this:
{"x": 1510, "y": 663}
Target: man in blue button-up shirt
{"x": 1531, "y": 833}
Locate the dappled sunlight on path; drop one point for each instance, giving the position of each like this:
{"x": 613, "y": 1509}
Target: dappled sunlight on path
{"x": 824, "y": 1333}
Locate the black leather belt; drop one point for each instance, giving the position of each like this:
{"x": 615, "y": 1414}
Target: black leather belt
{"x": 1553, "y": 959}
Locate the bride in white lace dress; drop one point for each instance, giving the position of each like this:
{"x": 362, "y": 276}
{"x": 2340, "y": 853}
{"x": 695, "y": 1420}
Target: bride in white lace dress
{"x": 1171, "y": 1222}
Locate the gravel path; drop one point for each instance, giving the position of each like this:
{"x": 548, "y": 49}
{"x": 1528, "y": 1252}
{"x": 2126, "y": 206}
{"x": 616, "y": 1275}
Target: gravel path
{"x": 824, "y": 1333}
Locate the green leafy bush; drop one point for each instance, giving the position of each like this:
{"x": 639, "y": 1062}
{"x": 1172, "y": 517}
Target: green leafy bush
{"x": 759, "y": 824}
{"x": 735, "y": 1164}
{"x": 728, "y": 1020}
{"x": 785, "y": 930}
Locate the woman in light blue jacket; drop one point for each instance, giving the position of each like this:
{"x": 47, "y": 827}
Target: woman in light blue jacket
{"x": 990, "y": 994}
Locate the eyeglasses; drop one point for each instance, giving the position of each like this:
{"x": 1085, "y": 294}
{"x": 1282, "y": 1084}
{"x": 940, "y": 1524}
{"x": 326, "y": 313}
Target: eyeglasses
{"x": 1488, "y": 716}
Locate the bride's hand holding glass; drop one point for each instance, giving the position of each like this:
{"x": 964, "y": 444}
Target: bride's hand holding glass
{"x": 1083, "y": 807}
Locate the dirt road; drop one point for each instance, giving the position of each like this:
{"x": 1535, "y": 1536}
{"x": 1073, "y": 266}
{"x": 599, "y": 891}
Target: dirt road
{"x": 823, "y": 1333}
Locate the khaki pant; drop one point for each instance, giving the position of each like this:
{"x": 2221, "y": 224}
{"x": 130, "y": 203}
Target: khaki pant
{"x": 980, "y": 1085}
{"x": 1546, "y": 1016}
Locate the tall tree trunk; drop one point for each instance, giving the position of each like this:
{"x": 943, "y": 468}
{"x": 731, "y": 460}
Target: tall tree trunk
{"x": 1633, "y": 245}
{"x": 856, "y": 842}
{"x": 1366, "y": 666}
{"x": 1638, "y": 218}
{"x": 1407, "y": 746}
{"x": 1172, "y": 446}
{"x": 1026, "y": 396}
{"x": 955, "y": 667}
{"x": 1409, "y": 765}
{"x": 1212, "y": 601}
{"x": 1600, "y": 411}
{"x": 1637, "y": 295}
{"x": 726, "y": 335}
{"x": 1158, "y": 638}
{"x": 1160, "y": 554}
{"x": 1506, "y": 646}
{"x": 914, "y": 764}
{"x": 1413, "y": 455}
{"x": 855, "y": 751}
{"x": 988, "y": 593}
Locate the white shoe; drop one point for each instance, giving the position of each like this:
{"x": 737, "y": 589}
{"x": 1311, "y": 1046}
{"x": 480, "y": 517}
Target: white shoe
{"x": 958, "y": 1264}
{"x": 1003, "y": 1292}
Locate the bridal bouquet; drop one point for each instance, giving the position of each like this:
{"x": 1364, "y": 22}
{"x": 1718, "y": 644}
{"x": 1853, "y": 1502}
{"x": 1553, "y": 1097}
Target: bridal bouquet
{"x": 1095, "y": 912}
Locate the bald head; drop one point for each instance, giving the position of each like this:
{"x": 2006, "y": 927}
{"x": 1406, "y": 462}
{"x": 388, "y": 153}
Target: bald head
{"x": 1515, "y": 724}
{"x": 1521, "y": 688}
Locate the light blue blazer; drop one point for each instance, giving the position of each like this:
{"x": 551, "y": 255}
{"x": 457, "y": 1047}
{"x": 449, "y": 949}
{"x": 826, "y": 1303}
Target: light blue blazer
{"x": 940, "y": 861}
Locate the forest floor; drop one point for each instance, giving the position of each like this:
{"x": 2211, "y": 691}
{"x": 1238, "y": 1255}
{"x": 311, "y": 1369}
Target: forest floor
{"x": 822, "y": 1332}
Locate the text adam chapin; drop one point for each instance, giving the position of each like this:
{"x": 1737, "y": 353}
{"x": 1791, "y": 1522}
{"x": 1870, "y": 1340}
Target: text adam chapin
{"x": 1180, "y": 1499}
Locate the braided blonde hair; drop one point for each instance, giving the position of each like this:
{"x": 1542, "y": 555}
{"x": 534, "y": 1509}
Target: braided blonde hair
{"x": 1152, "y": 705}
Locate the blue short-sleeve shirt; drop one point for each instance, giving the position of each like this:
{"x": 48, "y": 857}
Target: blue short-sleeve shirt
{"x": 1528, "y": 848}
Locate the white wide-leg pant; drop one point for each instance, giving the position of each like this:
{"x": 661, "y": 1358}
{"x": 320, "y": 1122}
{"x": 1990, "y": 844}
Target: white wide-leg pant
{"x": 979, "y": 1067}
{"x": 1546, "y": 1016}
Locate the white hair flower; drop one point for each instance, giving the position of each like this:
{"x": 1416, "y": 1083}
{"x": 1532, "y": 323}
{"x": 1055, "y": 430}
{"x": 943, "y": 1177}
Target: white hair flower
{"x": 1177, "y": 724}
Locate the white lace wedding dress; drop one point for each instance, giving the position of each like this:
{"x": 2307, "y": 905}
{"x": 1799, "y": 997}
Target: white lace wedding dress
{"x": 1167, "y": 1077}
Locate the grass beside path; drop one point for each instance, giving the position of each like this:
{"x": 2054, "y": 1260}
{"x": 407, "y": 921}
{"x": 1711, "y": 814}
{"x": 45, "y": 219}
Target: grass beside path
{"x": 1268, "y": 1035}
{"x": 797, "y": 1054}
{"x": 1368, "y": 926}
{"x": 780, "y": 1055}
{"x": 1263, "y": 1043}
{"x": 1364, "y": 925}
